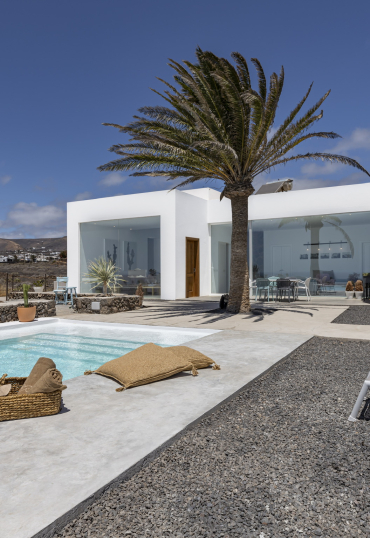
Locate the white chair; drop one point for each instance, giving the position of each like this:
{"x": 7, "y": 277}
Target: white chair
{"x": 252, "y": 285}
{"x": 304, "y": 285}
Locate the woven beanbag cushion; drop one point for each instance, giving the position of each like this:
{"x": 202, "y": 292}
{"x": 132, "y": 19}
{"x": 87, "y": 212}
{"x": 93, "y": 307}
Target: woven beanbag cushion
{"x": 195, "y": 357}
{"x": 145, "y": 364}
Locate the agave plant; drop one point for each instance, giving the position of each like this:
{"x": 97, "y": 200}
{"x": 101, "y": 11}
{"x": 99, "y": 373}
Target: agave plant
{"x": 103, "y": 272}
{"x": 216, "y": 126}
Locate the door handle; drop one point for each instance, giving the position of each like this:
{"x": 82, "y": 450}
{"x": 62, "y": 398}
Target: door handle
{"x": 194, "y": 270}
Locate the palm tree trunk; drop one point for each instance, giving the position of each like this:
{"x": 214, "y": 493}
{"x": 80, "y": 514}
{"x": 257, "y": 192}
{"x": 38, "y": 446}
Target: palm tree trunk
{"x": 105, "y": 288}
{"x": 239, "y": 274}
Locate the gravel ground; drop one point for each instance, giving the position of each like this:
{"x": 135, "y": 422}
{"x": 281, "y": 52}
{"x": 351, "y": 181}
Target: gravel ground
{"x": 354, "y": 315}
{"x": 279, "y": 460}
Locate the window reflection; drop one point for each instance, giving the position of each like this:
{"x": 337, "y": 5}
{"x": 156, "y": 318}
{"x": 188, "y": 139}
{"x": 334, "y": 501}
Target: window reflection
{"x": 134, "y": 247}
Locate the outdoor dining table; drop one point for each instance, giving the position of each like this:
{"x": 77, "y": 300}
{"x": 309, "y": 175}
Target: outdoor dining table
{"x": 273, "y": 280}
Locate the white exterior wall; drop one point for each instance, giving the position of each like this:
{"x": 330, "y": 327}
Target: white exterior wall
{"x": 150, "y": 204}
{"x": 190, "y": 213}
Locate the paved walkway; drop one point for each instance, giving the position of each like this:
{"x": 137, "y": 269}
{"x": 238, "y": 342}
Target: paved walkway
{"x": 311, "y": 319}
{"x": 51, "y": 466}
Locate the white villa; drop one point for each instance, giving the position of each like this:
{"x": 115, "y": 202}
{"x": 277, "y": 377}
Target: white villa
{"x": 177, "y": 244}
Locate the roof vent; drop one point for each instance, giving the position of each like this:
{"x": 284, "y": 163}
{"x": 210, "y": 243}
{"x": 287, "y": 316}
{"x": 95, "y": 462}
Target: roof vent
{"x": 283, "y": 185}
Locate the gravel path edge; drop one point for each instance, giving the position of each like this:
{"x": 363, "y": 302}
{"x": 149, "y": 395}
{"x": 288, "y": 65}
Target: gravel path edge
{"x": 65, "y": 519}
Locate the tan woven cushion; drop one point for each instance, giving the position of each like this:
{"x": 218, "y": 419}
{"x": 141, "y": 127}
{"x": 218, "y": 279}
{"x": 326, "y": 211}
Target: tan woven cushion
{"x": 195, "y": 357}
{"x": 144, "y": 365}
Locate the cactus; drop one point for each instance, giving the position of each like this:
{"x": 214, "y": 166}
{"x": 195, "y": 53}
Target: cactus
{"x": 358, "y": 286}
{"x": 349, "y": 286}
{"x": 26, "y": 287}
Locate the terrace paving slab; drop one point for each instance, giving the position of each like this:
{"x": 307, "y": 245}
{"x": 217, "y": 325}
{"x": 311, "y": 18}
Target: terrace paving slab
{"x": 53, "y": 466}
{"x": 300, "y": 317}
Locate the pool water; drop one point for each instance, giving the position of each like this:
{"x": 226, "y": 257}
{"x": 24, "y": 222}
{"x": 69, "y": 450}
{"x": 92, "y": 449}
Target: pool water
{"x": 72, "y": 354}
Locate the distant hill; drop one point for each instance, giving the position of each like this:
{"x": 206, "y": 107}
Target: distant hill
{"x": 50, "y": 243}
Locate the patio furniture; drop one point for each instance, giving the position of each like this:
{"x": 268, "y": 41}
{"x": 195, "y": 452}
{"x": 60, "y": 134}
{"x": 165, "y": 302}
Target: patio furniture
{"x": 265, "y": 287}
{"x": 252, "y": 286}
{"x": 70, "y": 290}
{"x": 360, "y": 399}
{"x": 285, "y": 286}
{"x": 61, "y": 283}
{"x": 57, "y": 294}
{"x": 326, "y": 282}
{"x": 304, "y": 285}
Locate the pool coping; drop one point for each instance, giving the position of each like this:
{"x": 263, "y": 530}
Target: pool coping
{"x": 133, "y": 327}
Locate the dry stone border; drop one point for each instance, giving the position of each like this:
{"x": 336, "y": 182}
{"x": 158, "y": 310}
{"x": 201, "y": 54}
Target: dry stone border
{"x": 8, "y": 310}
{"x": 108, "y": 305}
{"x": 280, "y": 460}
{"x": 45, "y": 295}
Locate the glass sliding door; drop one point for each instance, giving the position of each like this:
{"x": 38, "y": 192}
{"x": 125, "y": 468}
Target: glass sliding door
{"x": 331, "y": 249}
{"x": 134, "y": 247}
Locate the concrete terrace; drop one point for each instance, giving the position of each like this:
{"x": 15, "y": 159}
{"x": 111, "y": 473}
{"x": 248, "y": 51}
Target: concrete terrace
{"x": 103, "y": 436}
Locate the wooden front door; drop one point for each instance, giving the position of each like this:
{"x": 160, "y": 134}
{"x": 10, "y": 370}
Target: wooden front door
{"x": 192, "y": 267}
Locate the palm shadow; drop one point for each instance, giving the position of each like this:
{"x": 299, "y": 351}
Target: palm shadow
{"x": 206, "y": 313}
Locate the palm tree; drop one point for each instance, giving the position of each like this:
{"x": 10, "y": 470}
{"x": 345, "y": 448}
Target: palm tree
{"x": 314, "y": 225}
{"x": 215, "y": 126}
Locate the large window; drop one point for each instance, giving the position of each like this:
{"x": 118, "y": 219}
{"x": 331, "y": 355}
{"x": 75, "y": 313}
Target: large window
{"x": 331, "y": 249}
{"x": 132, "y": 244}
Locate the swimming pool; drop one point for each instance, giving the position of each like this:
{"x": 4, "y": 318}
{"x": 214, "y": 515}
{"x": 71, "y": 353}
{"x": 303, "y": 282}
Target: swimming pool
{"x": 76, "y": 346}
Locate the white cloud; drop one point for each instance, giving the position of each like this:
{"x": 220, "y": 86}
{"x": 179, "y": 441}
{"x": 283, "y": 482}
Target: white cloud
{"x": 30, "y": 220}
{"x": 5, "y": 179}
{"x": 111, "y": 180}
{"x": 359, "y": 139}
{"x": 83, "y": 196}
{"x": 314, "y": 169}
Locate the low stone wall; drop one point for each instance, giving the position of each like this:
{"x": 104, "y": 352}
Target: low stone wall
{"x": 44, "y": 295}
{"x": 108, "y": 305}
{"x": 44, "y": 309}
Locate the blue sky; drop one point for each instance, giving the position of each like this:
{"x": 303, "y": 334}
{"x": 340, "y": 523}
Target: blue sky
{"x": 69, "y": 66}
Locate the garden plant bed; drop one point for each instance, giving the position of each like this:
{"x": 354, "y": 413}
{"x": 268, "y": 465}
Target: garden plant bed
{"x": 280, "y": 459}
{"x": 108, "y": 305}
{"x": 354, "y": 315}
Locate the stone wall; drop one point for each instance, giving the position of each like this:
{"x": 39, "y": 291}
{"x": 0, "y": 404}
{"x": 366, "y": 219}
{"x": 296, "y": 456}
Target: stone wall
{"x": 108, "y": 305}
{"x": 8, "y": 310}
{"x": 44, "y": 295}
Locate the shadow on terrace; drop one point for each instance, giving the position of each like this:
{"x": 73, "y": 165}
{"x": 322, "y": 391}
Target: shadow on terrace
{"x": 206, "y": 310}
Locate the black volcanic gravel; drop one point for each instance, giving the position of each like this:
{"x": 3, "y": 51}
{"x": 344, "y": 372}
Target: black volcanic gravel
{"x": 279, "y": 460}
{"x": 354, "y": 315}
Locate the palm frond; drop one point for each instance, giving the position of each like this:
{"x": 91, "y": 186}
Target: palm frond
{"x": 214, "y": 125}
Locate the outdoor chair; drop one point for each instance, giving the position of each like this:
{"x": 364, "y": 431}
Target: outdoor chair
{"x": 285, "y": 286}
{"x": 252, "y": 286}
{"x": 263, "y": 287}
{"x": 60, "y": 288}
{"x": 304, "y": 285}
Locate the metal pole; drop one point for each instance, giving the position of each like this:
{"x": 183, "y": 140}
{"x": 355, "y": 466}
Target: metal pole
{"x": 45, "y": 283}
{"x": 7, "y": 287}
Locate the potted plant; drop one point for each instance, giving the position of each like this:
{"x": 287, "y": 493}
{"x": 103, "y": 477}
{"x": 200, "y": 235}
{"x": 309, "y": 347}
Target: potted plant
{"x": 359, "y": 290}
{"x": 349, "y": 289}
{"x": 26, "y": 312}
{"x": 38, "y": 286}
